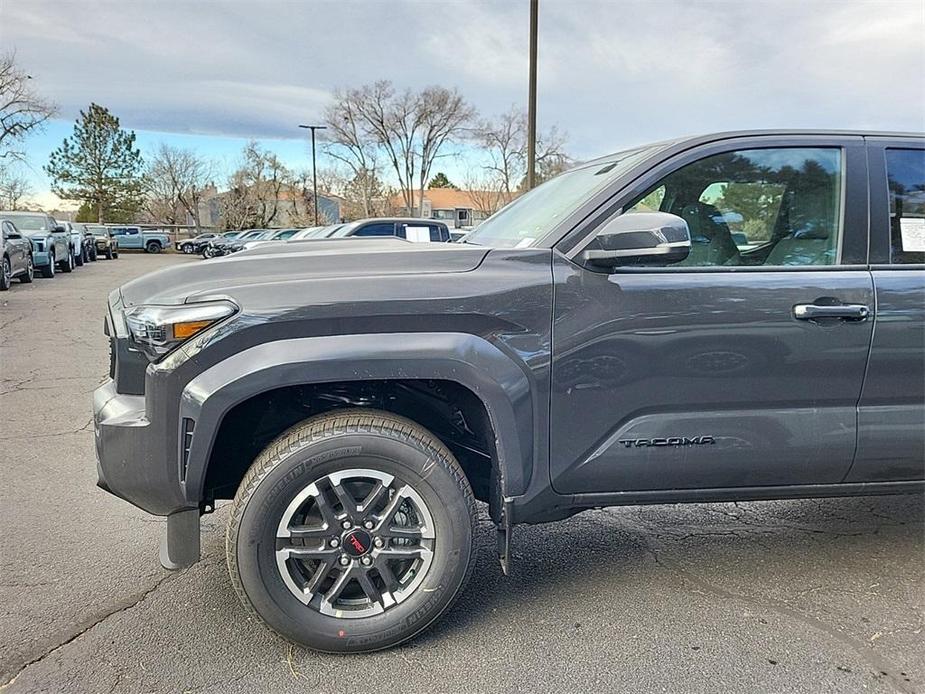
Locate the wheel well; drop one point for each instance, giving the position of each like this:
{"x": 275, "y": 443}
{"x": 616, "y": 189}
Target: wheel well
{"x": 450, "y": 411}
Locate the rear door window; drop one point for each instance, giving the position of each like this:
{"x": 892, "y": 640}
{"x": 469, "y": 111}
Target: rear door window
{"x": 376, "y": 229}
{"x": 905, "y": 170}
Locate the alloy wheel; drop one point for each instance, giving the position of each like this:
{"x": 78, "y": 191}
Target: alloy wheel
{"x": 7, "y": 278}
{"x": 355, "y": 543}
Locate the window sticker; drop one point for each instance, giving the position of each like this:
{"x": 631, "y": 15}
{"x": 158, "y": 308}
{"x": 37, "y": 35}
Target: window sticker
{"x": 417, "y": 234}
{"x": 912, "y": 232}
{"x": 523, "y": 243}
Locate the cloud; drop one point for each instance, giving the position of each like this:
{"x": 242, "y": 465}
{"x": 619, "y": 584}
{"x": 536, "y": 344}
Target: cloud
{"x": 611, "y": 74}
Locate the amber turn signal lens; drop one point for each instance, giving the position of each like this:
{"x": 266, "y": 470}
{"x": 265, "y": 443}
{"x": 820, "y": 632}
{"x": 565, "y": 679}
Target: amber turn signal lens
{"x": 183, "y": 331}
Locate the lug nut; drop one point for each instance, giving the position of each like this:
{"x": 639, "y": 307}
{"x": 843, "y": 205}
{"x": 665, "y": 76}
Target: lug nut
{"x": 334, "y": 543}
{"x": 368, "y": 525}
{"x": 378, "y": 542}
{"x": 366, "y": 561}
{"x": 346, "y": 525}
{"x": 344, "y": 560}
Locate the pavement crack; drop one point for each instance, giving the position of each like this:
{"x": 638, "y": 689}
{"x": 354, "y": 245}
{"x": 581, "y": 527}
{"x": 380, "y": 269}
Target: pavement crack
{"x": 120, "y": 607}
{"x": 874, "y": 660}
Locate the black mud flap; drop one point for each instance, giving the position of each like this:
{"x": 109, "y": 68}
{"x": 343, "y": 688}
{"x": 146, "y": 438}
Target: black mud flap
{"x": 504, "y": 532}
{"x": 180, "y": 541}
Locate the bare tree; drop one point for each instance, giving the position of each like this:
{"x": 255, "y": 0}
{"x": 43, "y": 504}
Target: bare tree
{"x": 22, "y": 110}
{"x": 409, "y": 128}
{"x": 347, "y": 141}
{"x": 504, "y": 138}
{"x": 175, "y": 180}
{"x": 485, "y": 190}
{"x": 14, "y": 189}
{"x": 256, "y": 190}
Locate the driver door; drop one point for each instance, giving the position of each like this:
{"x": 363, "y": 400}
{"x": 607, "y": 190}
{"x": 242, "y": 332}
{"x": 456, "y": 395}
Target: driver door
{"x": 703, "y": 374}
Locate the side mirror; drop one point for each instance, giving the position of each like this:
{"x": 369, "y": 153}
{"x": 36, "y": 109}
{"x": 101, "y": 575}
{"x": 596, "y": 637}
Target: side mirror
{"x": 640, "y": 238}
{"x": 59, "y": 229}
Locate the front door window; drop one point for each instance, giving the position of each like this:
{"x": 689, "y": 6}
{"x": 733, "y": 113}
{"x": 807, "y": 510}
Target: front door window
{"x": 769, "y": 207}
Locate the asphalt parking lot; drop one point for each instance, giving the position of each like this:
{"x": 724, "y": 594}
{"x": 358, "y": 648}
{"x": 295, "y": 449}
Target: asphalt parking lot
{"x": 801, "y": 596}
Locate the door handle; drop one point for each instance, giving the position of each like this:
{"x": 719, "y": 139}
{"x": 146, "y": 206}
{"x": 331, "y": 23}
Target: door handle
{"x": 856, "y": 312}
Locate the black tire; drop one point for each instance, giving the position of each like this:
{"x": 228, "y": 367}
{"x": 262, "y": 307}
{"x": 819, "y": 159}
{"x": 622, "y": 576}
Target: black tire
{"x": 359, "y": 441}
{"x": 68, "y": 265}
{"x": 79, "y": 258}
{"x": 93, "y": 257}
{"x": 153, "y": 247}
{"x": 108, "y": 253}
{"x": 115, "y": 252}
{"x": 6, "y": 274}
{"x": 48, "y": 272}
{"x": 30, "y": 272}
{"x": 187, "y": 248}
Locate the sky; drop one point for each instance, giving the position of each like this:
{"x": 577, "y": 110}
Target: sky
{"x": 213, "y": 74}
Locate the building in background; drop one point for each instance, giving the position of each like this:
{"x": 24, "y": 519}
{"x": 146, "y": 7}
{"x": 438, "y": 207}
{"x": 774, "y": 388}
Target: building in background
{"x": 460, "y": 209}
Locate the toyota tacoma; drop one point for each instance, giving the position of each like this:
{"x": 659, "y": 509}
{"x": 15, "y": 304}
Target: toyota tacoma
{"x": 729, "y": 317}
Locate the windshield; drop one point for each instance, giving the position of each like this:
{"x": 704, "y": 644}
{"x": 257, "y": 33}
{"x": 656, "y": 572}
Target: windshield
{"x": 305, "y": 233}
{"x": 525, "y": 221}
{"x": 341, "y": 231}
{"x": 29, "y": 222}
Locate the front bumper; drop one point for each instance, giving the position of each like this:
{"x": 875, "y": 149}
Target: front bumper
{"x": 132, "y": 453}
{"x": 135, "y": 434}
{"x": 136, "y": 445}
{"x": 41, "y": 258}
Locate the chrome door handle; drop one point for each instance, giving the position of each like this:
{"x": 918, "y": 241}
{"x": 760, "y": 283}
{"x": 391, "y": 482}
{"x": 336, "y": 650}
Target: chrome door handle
{"x": 843, "y": 311}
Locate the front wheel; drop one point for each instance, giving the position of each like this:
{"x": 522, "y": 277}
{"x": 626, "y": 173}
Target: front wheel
{"x": 153, "y": 247}
{"x": 351, "y": 532}
{"x": 79, "y": 258}
{"x": 30, "y": 271}
{"x": 6, "y": 274}
{"x": 67, "y": 265}
{"x": 49, "y": 270}
{"x": 188, "y": 248}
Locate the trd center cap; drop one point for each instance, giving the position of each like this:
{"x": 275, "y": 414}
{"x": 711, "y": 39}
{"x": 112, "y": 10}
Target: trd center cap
{"x": 357, "y": 542}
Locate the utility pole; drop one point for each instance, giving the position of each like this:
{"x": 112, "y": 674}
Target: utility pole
{"x": 531, "y": 106}
{"x": 313, "y": 128}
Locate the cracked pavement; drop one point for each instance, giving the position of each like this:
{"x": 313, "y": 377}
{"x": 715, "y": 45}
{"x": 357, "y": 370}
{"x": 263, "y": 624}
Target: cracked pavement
{"x": 791, "y": 596}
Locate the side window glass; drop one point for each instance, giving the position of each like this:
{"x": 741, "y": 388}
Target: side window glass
{"x": 376, "y": 230}
{"x": 905, "y": 170}
{"x": 769, "y": 207}
{"x": 651, "y": 201}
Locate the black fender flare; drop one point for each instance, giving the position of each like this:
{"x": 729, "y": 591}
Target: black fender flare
{"x": 472, "y": 361}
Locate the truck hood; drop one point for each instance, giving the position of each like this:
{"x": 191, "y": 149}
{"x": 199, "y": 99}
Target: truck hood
{"x": 295, "y": 261}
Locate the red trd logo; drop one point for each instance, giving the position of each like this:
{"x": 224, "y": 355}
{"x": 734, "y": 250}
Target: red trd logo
{"x": 357, "y": 545}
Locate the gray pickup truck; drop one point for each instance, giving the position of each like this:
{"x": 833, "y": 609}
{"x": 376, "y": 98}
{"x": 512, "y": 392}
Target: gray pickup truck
{"x": 730, "y": 317}
{"x": 136, "y": 237}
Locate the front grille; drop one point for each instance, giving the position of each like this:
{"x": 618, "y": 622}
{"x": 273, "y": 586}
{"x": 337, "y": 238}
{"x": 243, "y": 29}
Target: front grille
{"x": 187, "y": 428}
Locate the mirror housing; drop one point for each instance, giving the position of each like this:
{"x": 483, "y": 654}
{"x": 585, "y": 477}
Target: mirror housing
{"x": 59, "y": 229}
{"x": 639, "y": 238}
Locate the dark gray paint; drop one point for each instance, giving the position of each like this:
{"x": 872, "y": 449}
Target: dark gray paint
{"x": 779, "y": 395}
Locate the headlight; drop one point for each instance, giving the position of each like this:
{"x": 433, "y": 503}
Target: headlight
{"x": 157, "y": 330}
{"x": 39, "y": 244}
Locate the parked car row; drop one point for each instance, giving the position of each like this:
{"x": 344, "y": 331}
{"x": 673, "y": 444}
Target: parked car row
{"x": 212, "y": 245}
{"x": 36, "y": 241}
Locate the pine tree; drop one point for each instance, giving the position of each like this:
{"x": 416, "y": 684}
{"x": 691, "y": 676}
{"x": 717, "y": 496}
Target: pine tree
{"x": 440, "y": 181}
{"x": 99, "y": 166}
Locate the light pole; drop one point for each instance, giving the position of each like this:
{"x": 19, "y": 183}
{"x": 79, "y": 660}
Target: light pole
{"x": 313, "y": 128}
{"x": 531, "y": 104}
